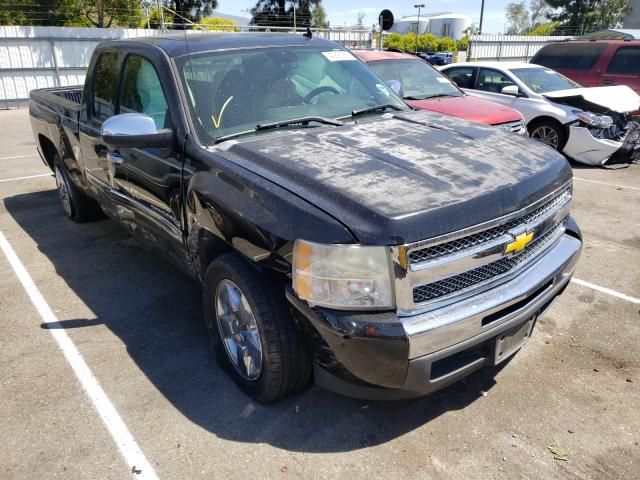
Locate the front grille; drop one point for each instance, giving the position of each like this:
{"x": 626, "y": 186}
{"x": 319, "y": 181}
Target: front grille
{"x": 515, "y": 127}
{"x": 420, "y": 255}
{"x": 475, "y": 277}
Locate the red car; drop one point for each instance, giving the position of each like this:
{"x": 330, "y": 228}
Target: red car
{"x": 425, "y": 88}
{"x": 594, "y": 63}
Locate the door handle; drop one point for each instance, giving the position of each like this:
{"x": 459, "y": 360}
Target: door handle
{"x": 115, "y": 157}
{"x": 607, "y": 81}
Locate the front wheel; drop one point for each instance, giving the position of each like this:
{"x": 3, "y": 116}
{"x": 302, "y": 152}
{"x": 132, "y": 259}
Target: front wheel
{"x": 251, "y": 331}
{"x": 549, "y": 133}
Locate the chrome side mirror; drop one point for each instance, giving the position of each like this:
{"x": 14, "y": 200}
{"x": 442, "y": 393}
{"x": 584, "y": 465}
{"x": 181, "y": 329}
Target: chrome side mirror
{"x": 134, "y": 130}
{"x": 396, "y": 86}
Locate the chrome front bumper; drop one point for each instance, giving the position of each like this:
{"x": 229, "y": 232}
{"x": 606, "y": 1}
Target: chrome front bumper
{"x": 510, "y": 303}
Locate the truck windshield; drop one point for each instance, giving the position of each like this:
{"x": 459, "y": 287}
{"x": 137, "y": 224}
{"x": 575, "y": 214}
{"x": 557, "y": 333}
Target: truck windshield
{"x": 234, "y": 91}
{"x": 419, "y": 80}
{"x": 543, "y": 80}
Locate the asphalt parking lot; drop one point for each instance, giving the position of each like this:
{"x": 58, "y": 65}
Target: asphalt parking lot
{"x": 136, "y": 321}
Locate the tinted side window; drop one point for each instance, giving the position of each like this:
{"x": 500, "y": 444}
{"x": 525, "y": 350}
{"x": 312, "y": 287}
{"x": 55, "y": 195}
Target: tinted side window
{"x": 104, "y": 86}
{"x": 492, "y": 80}
{"x": 142, "y": 92}
{"x": 462, "y": 76}
{"x": 575, "y": 56}
{"x": 626, "y": 60}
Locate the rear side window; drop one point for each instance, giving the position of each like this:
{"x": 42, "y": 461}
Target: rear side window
{"x": 142, "y": 92}
{"x": 574, "y": 56}
{"x": 626, "y": 60}
{"x": 462, "y": 76}
{"x": 104, "y": 86}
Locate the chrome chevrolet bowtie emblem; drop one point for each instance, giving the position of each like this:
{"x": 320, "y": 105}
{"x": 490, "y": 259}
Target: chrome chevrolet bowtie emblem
{"x": 520, "y": 242}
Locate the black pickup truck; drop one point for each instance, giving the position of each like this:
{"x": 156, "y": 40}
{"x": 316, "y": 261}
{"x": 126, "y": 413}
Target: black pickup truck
{"x": 337, "y": 234}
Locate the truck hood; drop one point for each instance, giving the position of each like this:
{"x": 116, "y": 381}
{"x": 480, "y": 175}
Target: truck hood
{"x": 618, "y": 98}
{"x": 470, "y": 108}
{"x": 403, "y": 177}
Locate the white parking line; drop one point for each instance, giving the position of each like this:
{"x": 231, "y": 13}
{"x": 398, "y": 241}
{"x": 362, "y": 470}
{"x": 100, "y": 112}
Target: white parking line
{"x": 606, "y": 290}
{"x": 124, "y": 440}
{"x": 605, "y": 183}
{"x": 24, "y": 178}
{"x": 19, "y": 156}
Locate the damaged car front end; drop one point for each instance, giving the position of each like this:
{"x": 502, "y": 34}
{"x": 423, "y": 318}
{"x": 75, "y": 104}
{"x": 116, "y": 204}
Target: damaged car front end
{"x": 603, "y": 130}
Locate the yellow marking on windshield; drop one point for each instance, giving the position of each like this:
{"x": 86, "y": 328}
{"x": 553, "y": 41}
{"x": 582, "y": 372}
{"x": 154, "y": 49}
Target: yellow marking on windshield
{"x": 216, "y": 123}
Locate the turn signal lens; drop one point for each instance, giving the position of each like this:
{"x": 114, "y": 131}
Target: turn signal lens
{"x": 342, "y": 276}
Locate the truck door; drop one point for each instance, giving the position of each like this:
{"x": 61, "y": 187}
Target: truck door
{"x": 104, "y": 172}
{"x": 153, "y": 175}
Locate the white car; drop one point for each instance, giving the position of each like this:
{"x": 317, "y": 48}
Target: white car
{"x": 589, "y": 125}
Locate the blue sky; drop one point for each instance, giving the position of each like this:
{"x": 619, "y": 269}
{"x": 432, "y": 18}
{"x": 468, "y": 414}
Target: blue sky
{"x": 345, "y": 11}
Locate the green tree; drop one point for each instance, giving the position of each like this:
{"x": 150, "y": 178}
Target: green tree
{"x": 319, "y": 17}
{"x": 545, "y": 29}
{"x": 446, "y": 44}
{"x": 522, "y": 17}
{"x": 220, "y": 24}
{"x": 189, "y": 11}
{"x": 585, "y": 16}
{"x": 462, "y": 45}
{"x": 279, "y": 13}
{"x": 33, "y": 12}
{"x": 102, "y": 13}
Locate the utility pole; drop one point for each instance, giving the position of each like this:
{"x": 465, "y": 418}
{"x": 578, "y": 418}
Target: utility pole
{"x": 419, "y": 6}
{"x": 294, "y": 17}
{"x": 481, "y": 17}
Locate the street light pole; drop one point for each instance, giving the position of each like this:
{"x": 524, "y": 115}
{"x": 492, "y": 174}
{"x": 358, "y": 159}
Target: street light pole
{"x": 419, "y": 6}
{"x": 481, "y": 17}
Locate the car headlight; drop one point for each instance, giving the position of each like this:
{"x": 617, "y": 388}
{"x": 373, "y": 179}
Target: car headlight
{"x": 593, "y": 120}
{"x": 342, "y": 276}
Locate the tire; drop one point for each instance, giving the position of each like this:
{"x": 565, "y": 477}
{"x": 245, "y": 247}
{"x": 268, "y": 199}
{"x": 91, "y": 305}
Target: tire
{"x": 76, "y": 204}
{"x": 284, "y": 367}
{"x": 549, "y": 132}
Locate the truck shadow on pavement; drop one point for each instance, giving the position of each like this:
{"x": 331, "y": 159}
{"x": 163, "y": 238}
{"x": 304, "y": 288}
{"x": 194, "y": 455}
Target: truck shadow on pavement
{"x": 156, "y": 312}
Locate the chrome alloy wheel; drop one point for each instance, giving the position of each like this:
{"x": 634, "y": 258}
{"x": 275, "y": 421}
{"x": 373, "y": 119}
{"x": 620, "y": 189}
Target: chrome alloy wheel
{"x": 238, "y": 330}
{"x": 546, "y": 134}
{"x": 63, "y": 190}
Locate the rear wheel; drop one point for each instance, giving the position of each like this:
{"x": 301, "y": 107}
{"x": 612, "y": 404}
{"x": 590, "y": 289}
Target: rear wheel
{"x": 252, "y": 332}
{"x": 548, "y": 132}
{"x": 76, "y": 204}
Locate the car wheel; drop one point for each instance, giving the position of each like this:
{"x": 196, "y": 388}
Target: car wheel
{"x": 77, "y": 205}
{"x": 252, "y": 332}
{"x": 549, "y": 133}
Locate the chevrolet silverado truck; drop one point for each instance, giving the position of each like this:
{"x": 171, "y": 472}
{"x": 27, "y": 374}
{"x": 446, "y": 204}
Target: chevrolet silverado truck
{"x": 338, "y": 235}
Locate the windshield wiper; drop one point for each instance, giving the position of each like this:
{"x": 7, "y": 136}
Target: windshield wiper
{"x": 441, "y": 95}
{"x": 295, "y": 121}
{"x": 281, "y": 123}
{"x": 376, "y": 108}
{"x": 411, "y": 97}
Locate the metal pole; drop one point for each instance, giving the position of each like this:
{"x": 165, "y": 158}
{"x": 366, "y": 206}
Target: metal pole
{"x": 294, "y": 17}
{"x": 481, "y": 17}
{"x": 159, "y": 3}
{"x": 419, "y": 6}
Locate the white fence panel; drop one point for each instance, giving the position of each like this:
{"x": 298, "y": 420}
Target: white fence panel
{"x": 513, "y": 48}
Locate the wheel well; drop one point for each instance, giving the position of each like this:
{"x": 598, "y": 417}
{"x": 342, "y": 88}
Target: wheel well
{"x": 543, "y": 119}
{"x": 209, "y": 247}
{"x": 48, "y": 149}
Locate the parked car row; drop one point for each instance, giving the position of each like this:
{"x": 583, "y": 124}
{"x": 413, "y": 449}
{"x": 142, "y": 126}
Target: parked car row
{"x": 589, "y": 125}
{"x": 338, "y": 234}
{"x": 578, "y": 100}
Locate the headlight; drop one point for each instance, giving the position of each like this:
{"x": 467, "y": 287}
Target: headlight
{"x": 342, "y": 276}
{"x": 593, "y": 120}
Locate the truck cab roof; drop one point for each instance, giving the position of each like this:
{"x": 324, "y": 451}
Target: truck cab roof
{"x": 175, "y": 46}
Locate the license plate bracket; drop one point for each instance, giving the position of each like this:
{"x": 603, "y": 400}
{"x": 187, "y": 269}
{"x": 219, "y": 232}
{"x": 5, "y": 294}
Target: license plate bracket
{"x": 509, "y": 342}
